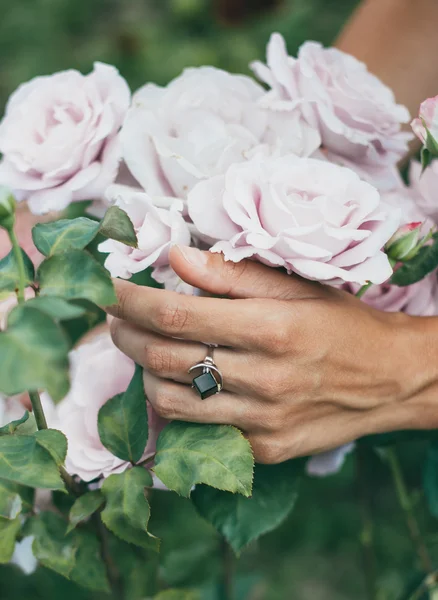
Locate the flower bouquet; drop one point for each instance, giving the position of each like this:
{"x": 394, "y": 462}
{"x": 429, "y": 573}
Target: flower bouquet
{"x": 296, "y": 168}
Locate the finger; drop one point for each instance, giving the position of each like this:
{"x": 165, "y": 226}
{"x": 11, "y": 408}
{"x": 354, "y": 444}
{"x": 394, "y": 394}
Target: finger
{"x": 175, "y": 401}
{"x": 171, "y": 359}
{"x": 234, "y": 323}
{"x": 245, "y": 279}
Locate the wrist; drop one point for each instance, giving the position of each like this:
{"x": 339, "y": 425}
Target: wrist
{"x": 417, "y": 349}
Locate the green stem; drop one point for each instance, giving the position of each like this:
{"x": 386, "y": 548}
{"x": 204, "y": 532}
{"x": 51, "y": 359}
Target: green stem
{"x": 226, "y": 585}
{"x": 367, "y": 533}
{"x": 406, "y": 505}
{"x": 38, "y": 411}
{"x": 363, "y": 289}
{"x": 20, "y": 264}
{"x": 112, "y": 571}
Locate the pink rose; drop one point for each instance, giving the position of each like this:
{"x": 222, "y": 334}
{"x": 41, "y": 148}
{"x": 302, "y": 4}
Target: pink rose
{"x": 354, "y": 112}
{"x": 425, "y": 185}
{"x": 428, "y": 117}
{"x": 328, "y": 463}
{"x": 59, "y": 137}
{"x": 99, "y": 371}
{"x": 309, "y": 216}
{"x": 201, "y": 123}
{"x": 158, "y": 223}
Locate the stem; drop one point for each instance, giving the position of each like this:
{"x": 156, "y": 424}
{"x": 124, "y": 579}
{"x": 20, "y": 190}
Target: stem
{"x": 111, "y": 567}
{"x": 363, "y": 289}
{"x": 20, "y": 264}
{"x": 146, "y": 460}
{"x": 406, "y": 505}
{"x": 226, "y": 585}
{"x": 38, "y": 411}
{"x": 367, "y": 533}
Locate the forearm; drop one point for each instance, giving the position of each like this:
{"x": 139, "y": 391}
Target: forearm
{"x": 397, "y": 39}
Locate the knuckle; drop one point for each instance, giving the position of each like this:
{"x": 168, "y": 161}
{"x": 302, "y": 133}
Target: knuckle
{"x": 233, "y": 271}
{"x": 267, "y": 450}
{"x": 165, "y": 404}
{"x": 271, "y": 383}
{"x": 157, "y": 360}
{"x": 172, "y": 318}
{"x": 115, "y": 327}
{"x": 274, "y": 420}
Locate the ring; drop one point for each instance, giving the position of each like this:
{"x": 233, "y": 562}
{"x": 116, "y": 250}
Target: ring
{"x": 210, "y": 381}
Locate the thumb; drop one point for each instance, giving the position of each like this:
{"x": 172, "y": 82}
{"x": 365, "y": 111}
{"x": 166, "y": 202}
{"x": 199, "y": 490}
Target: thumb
{"x": 246, "y": 279}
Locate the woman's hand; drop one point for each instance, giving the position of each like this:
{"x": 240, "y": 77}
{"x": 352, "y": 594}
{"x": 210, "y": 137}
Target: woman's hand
{"x": 306, "y": 367}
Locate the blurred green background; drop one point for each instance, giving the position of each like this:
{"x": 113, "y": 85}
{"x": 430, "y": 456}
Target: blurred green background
{"x": 316, "y": 555}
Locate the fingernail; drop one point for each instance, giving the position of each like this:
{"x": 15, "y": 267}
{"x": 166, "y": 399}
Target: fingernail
{"x": 193, "y": 256}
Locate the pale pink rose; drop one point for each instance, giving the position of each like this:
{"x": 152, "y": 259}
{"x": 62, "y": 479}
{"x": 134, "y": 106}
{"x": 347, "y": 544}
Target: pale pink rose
{"x": 354, "y": 112}
{"x": 201, "y": 123}
{"x": 328, "y": 463}
{"x": 59, "y": 137}
{"x": 99, "y": 371}
{"x": 428, "y": 116}
{"x": 158, "y": 222}
{"x": 309, "y": 216}
{"x": 425, "y": 185}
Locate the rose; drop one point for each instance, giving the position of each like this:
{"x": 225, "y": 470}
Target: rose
{"x": 328, "y": 463}
{"x": 427, "y": 122}
{"x": 158, "y": 223}
{"x": 354, "y": 112}
{"x": 59, "y": 137}
{"x": 99, "y": 371}
{"x": 425, "y": 185}
{"x": 308, "y": 216}
{"x": 201, "y": 123}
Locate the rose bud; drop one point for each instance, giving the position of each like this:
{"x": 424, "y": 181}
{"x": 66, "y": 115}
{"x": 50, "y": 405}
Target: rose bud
{"x": 405, "y": 242}
{"x": 425, "y": 126}
{"x": 7, "y": 208}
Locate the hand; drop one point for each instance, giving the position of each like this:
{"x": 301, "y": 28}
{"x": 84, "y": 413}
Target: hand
{"x": 306, "y": 367}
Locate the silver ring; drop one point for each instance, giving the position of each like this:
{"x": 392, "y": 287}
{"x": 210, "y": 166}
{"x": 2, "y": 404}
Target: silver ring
{"x": 210, "y": 381}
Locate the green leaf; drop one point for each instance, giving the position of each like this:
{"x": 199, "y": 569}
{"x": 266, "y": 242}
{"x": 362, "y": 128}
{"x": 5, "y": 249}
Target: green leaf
{"x": 118, "y": 226}
{"x": 10, "y": 503}
{"x": 127, "y": 511}
{"x": 64, "y": 235}
{"x": 89, "y": 570}
{"x": 430, "y": 479}
{"x": 419, "y": 267}
{"x": 9, "y": 277}
{"x": 51, "y": 547}
{"x": 8, "y": 534}
{"x": 76, "y": 275}
{"x": 75, "y": 556}
{"x": 84, "y": 507}
{"x": 28, "y": 459}
{"x": 191, "y": 453}
{"x": 426, "y": 158}
{"x": 15, "y": 499}
{"x": 123, "y": 421}
{"x": 178, "y": 595}
{"x": 54, "y": 442}
{"x": 75, "y": 234}
{"x": 57, "y": 308}
{"x": 12, "y": 427}
{"x": 33, "y": 354}
{"x": 76, "y": 209}
{"x": 241, "y": 520}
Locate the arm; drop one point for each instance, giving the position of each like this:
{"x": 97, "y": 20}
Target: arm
{"x": 398, "y": 41}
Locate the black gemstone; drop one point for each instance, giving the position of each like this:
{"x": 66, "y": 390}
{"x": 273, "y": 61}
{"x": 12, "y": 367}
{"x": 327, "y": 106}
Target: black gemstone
{"x": 206, "y": 385}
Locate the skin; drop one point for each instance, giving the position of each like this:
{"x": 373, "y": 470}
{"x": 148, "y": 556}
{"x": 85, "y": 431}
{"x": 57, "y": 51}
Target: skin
{"x": 306, "y": 367}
